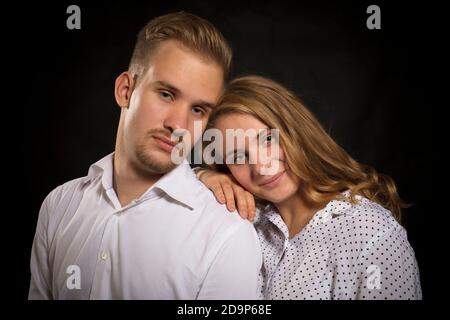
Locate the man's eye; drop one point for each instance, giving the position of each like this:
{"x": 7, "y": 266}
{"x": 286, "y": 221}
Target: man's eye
{"x": 166, "y": 95}
{"x": 198, "y": 111}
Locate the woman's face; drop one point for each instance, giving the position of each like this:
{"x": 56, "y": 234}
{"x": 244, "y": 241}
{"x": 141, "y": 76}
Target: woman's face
{"x": 268, "y": 180}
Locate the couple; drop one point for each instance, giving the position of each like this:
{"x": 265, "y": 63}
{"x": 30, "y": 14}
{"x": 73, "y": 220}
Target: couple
{"x": 139, "y": 226}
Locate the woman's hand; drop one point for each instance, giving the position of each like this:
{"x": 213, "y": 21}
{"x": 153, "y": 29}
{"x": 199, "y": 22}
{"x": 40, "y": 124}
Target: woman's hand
{"x": 227, "y": 190}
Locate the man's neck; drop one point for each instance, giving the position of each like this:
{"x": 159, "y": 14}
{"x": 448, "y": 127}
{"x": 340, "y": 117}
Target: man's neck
{"x": 128, "y": 183}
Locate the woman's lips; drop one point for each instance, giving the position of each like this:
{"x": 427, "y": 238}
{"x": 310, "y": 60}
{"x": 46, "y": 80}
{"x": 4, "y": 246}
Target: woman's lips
{"x": 272, "y": 181}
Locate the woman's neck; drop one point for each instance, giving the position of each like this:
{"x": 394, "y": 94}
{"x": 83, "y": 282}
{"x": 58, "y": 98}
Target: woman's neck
{"x": 296, "y": 212}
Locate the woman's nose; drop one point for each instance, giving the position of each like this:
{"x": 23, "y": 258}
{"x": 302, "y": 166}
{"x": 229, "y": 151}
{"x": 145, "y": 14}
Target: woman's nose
{"x": 266, "y": 167}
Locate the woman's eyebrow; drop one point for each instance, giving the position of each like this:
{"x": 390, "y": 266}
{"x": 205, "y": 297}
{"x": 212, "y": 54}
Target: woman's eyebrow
{"x": 234, "y": 152}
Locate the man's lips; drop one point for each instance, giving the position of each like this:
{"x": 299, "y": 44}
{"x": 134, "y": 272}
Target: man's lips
{"x": 165, "y": 143}
{"x": 166, "y": 140}
{"x": 272, "y": 179}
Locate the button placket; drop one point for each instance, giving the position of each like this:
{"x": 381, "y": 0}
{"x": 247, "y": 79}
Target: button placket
{"x": 104, "y": 255}
{"x": 103, "y": 259}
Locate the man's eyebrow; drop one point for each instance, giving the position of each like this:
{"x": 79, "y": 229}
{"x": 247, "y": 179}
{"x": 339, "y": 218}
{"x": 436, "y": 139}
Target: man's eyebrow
{"x": 169, "y": 86}
{"x": 177, "y": 91}
{"x": 206, "y": 104}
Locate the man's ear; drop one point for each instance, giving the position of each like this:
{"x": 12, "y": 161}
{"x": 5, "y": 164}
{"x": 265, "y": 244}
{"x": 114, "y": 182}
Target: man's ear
{"x": 124, "y": 88}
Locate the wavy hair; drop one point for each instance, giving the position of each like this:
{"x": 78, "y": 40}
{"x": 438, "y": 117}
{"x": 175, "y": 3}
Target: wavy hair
{"x": 324, "y": 168}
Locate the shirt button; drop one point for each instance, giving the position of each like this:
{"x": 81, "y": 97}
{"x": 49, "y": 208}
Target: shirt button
{"x": 104, "y": 255}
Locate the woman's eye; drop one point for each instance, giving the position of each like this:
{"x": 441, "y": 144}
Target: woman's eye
{"x": 239, "y": 158}
{"x": 267, "y": 140}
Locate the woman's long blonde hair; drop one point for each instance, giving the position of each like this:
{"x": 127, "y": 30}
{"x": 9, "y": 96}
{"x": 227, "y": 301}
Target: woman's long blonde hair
{"x": 312, "y": 156}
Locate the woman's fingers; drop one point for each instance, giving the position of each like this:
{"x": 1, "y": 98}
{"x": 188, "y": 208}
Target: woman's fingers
{"x": 229, "y": 196}
{"x": 250, "y": 205}
{"x": 218, "y": 193}
{"x": 241, "y": 199}
{"x": 226, "y": 190}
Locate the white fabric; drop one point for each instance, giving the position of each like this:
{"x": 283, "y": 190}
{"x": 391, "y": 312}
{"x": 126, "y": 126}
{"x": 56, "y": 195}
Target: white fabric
{"x": 344, "y": 252}
{"x": 174, "y": 242}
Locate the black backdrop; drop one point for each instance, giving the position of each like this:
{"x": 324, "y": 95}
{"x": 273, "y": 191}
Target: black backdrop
{"x": 371, "y": 89}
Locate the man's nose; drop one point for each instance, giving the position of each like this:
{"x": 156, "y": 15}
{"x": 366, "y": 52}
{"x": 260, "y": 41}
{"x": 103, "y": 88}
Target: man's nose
{"x": 177, "y": 118}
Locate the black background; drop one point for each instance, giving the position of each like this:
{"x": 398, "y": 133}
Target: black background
{"x": 373, "y": 90}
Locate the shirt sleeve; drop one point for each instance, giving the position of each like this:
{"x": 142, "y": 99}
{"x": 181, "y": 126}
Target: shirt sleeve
{"x": 40, "y": 284}
{"x": 389, "y": 269}
{"x": 234, "y": 272}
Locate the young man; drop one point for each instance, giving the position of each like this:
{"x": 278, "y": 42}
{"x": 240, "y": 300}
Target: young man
{"x": 139, "y": 226}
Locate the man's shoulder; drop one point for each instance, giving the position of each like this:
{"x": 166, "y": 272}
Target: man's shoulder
{"x": 208, "y": 204}
{"x": 65, "y": 192}
{"x": 209, "y": 209}
{"x": 206, "y": 218}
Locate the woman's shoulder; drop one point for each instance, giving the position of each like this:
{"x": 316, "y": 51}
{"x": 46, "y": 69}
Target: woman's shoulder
{"x": 365, "y": 220}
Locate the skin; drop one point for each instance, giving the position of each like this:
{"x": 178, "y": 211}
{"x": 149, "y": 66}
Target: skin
{"x": 178, "y": 88}
{"x": 280, "y": 188}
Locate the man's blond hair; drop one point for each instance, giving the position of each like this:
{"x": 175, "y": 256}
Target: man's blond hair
{"x": 191, "y": 31}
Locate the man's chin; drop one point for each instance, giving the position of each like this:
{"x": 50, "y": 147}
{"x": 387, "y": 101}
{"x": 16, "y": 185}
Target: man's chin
{"x": 156, "y": 163}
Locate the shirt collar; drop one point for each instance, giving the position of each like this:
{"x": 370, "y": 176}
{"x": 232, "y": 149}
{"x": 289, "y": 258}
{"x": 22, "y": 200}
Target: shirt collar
{"x": 175, "y": 183}
{"x": 103, "y": 168}
{"x": 178, "y": 184}
{"x": 324, "y": 215}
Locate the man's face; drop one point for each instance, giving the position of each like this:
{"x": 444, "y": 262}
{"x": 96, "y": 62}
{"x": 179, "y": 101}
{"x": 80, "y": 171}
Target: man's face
{"x": 179, "y": 87}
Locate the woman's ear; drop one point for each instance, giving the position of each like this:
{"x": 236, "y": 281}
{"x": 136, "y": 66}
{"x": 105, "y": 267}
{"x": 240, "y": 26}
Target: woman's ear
{"x": 124, "y": 88}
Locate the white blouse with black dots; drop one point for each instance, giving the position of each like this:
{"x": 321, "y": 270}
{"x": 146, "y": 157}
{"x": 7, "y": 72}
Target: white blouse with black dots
{"x": 345, "y": 252}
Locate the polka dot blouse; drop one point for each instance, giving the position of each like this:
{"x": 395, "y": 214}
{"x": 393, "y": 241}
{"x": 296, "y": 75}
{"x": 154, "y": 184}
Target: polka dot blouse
{"x": 345, "y": 252}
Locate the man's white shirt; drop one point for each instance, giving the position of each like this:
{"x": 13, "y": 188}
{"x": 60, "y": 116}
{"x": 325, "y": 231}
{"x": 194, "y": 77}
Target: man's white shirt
{"x": 173, "y": 242}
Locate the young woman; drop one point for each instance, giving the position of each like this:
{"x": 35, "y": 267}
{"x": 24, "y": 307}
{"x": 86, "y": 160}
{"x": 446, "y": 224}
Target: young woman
{"x": 327, "y": 224}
